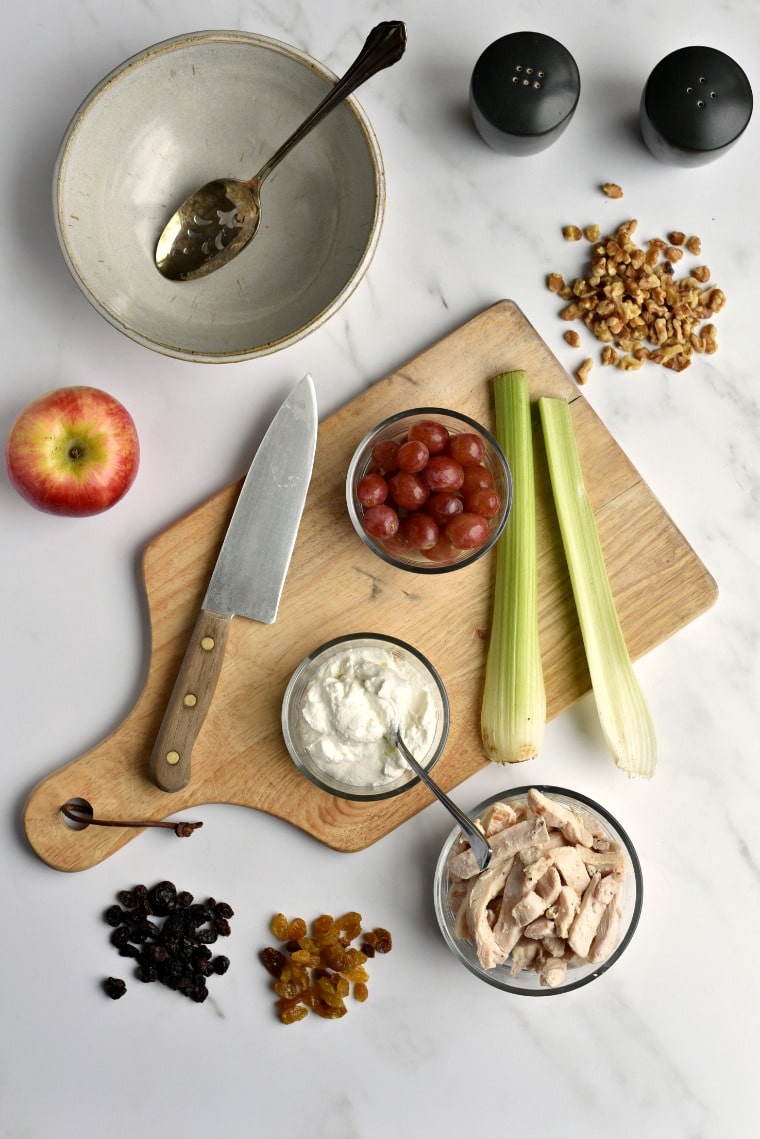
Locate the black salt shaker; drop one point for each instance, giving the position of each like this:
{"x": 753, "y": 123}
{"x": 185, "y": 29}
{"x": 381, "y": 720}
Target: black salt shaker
{"x": 695, "y": 105}
{"x": 523, "y": 92}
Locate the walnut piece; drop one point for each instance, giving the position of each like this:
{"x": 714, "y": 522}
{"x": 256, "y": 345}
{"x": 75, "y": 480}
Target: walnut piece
{"x": 571, "y": 233}
{"x": 582, "y": 373}
{"x": 612, "y": 190}
{"x": 632, "y": 301}
{"x": 572, "y": 338}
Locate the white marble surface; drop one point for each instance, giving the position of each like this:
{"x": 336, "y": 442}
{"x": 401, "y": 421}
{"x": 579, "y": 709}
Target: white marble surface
{"x": 665, "y": 1045}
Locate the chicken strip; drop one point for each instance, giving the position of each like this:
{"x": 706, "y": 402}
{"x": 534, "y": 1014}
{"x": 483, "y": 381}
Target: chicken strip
{"x": 504, "y": 845}
{"x": 564, "y": 910}
{"x": 597, "y": 897}
{"x": 485, "y": 888}
{"x": 562, "y": 818}
{"x": 530, "y": 907}
{"x": 572, "y": 868}
{"x": 553, "y": 972}
{"x": 607, "y": 935}
{"x": 507, "y": 931}
{"x": 500, "y": 816}
{"x": 524, "y": 956}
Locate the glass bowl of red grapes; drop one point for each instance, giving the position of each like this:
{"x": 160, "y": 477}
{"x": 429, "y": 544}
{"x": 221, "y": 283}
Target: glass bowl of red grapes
{"x": 429, "y": 490}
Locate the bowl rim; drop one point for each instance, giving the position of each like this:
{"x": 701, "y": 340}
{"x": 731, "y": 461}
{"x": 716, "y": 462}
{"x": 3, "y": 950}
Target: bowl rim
{"x": 175, "y": 43}
{"x": 432, "y": 568}
{"x": 393, "y": 789}
{"x": 441, "y": 876}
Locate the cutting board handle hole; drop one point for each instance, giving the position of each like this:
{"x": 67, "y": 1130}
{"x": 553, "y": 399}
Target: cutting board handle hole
{"x": 83, "y": 809}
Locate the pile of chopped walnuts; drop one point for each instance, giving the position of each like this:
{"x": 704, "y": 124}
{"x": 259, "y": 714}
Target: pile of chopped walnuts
{"x": 633, "y": 302}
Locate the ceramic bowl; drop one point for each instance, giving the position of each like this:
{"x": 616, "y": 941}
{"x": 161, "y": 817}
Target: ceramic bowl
{"x": 205, "y": 105}
{"x": 330, "y": 659}
{"x": 397, "y": 551}
{"x": 527, "y": 982}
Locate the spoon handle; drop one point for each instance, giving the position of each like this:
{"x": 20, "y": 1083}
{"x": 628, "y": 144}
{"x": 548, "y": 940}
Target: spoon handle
{"x": 479, "y": 845}
{"x": 384, "y": 46}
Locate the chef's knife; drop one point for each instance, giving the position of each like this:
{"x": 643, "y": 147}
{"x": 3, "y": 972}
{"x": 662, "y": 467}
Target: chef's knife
{"x": 248, "y": 576}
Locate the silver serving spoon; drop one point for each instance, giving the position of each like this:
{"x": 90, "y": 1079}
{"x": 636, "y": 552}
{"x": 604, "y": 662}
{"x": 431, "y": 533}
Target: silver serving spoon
{"x": 217, "y": 221}
{"x": 479, "y": 844}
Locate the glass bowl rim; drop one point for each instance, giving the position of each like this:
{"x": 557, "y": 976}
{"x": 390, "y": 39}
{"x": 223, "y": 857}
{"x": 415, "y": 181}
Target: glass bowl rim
{"x": 441, "y": 876}
{"x": 393, "y": 789}
{"x": 502, "y": 462}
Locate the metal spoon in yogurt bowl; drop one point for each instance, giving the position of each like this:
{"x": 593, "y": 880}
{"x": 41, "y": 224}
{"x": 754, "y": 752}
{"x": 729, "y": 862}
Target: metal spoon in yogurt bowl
{"x": 479, "y": 844}
{"x": 215, "y": 223}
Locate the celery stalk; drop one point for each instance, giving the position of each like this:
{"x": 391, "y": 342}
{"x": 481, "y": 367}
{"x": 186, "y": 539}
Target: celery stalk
{"x": 623, "y": 713}
{"x": 513, "y": 713}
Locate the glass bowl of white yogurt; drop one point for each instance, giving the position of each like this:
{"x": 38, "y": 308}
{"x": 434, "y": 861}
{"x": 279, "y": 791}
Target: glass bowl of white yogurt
{"x": 342, "y": 704}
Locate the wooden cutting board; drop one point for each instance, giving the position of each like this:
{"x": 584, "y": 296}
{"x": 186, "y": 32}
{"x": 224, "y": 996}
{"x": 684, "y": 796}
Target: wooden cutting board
{"x": 337, "y": 586}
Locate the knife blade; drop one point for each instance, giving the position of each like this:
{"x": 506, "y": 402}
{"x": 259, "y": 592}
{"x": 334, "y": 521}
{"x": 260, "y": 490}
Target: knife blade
{"x": 247, "y": 579}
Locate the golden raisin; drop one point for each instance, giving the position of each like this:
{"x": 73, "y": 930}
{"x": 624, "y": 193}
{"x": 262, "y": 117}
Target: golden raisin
{"x": 279, "y": 927}
{"x": 296, "y": 929}
{"x": 321, "y": 925}
{"x": 357, "y": 973}
{"x": 291, "y": 1015}
{"x": 361, "y": 992}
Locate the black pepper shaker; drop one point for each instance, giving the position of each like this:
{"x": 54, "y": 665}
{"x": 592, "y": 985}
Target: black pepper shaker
{"x": 695, "y": 105}
{"x": 523, "y": 92}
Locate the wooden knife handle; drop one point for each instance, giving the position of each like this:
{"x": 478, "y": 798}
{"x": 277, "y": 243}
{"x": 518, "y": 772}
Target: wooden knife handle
{"x": 189, "y": 702}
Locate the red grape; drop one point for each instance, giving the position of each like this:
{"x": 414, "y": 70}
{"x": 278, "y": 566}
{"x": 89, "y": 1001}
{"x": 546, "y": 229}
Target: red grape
{"x": 412, "y": 456}
{"x": 398, "y": 544}
{"x": 372, "y": 490}
{"x": 467, "y": 449}
{"x": 433, "y": 435}
{"x": 421, "y": 530}
{"x": 443, "y": 473}
{"x": 476, "y": 478}
{"x": 484, "y": 501}
{"x": 408, "y": 490}
{"x": 467, "y": 531}
{"x": 442, "y": 506}
{"x": 385, "y": 456}
{"x": 442, "y": 551}
{"x": 381, "y": 521}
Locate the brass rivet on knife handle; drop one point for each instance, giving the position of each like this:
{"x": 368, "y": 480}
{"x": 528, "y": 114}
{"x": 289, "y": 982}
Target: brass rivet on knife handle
{"x": 189, "y": 702}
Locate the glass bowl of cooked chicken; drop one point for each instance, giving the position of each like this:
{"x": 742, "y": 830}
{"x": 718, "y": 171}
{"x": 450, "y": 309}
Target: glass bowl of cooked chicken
{"x": 559, "y": 901}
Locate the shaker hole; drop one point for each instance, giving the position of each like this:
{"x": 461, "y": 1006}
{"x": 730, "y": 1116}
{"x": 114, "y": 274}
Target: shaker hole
{"x": 689, "y": 90}
{"x": 537, "y": 86}
{"x": 515, "y": 79}
{"x": 701, "y": 104}
{"x": 528, "y": 70}
{"x": 82, "y": 808}
{"x": 519, "y": 67}
{"x": 713, "y": 94}
{"x": 702, "y": 79}
{"x": 540, "y": 74}
{"x": 526, "y": 82}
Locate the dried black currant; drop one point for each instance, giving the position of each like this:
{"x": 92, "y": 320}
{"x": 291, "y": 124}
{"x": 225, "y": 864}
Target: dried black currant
{"x": 163, "y": 898}
{"x": 173, "y": 949}
{"x": 114, "y": 987}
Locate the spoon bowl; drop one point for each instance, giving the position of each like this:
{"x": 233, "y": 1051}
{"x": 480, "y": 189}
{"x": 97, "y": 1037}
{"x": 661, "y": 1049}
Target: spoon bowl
{"x": 219, "y": 220}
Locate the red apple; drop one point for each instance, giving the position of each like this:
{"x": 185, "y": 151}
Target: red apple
{"x": 74, "y": 451}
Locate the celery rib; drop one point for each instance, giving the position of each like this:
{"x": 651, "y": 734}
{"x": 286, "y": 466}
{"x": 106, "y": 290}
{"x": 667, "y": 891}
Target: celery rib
{"x": 623, "y": 713}
{"x": 513, "y": 712}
